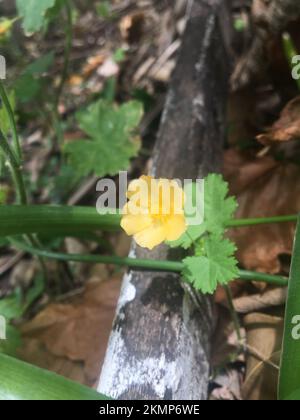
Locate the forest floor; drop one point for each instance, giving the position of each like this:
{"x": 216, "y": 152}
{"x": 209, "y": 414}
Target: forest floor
{"x": 126, "y": 51}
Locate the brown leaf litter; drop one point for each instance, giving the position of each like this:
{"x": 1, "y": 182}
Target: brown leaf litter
{"x": 264, "y": 188}
{"x": 264, "y": 339}
{"x": 71, "y": 338}
{"x": 287, "y": 127}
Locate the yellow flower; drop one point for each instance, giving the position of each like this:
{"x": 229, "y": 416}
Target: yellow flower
{"x": 155, "y": 211}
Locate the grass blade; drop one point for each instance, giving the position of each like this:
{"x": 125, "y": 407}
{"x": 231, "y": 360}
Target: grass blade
{"x": 19, "y": 220}
{"x": 289, "y": 382}
{"x": 21, "y": 381}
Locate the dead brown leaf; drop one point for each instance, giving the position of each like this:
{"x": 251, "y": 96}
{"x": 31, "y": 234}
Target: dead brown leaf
{"x": 92, "y": 64}
{"x": 258, "y": 302}
{"x": 287, "y": 128}
{"x": 264, "y": 188}
{"x": 132, "y": 26}
{"x": 264, "y": 338}
{"x": 75, "y": 332}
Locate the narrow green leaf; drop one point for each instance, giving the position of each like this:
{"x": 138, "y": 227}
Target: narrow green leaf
{"x": 4, "y": 118}
{"x": 19, "y": 220}
{"x": 29, "y": 85}
{"x": 13, "y": 341}
{"x": 289, "y": 383}
{"x": 11, "y": 307}
{"x": 21, "y": 381}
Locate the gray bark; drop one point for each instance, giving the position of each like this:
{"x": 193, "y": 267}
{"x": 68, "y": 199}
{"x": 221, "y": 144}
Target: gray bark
{"x": 160, "y": 342}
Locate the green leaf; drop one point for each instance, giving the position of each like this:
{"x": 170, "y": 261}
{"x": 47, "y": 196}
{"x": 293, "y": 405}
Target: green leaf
{"x": 29, "y": 85}
{"x": 12, "y": 342}
{"x": 14, "y": 306}
{"x": 21, "y": 381}
{"x": 218, "y": 210}
{"x": 34, "y": 13}
{"x": 193, "y": 232}
{"x": 4, "y": 118}
{"x": 289, "y": 382}
{"x": 111, "y": 143}
{"x": 216, "y": 266}
{"x": 53, "y": 12}
{"x": 103, "y": 9}
{"x": 3, "y": 194}
{"x": 40, "y": 65}
{"x": 35, "y": 291}
{"x": 11, "y": 307}
{"x": 119, "y": 55}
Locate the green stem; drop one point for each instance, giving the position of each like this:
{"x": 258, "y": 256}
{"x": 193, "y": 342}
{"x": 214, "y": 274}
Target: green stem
{"x": 15, "y": 168}
{"x": 279, "y": 281}
{"x": 68, "y": 49}
{"x": 233, "y": 313}
{"x": 15, "y": 162}
{"x": 290, "y": 52}
{"x": 142, "y": 264}
{"x": 12, "y": 122}
{"x": 261, "y": 221}
{"x": 61, "y": 219}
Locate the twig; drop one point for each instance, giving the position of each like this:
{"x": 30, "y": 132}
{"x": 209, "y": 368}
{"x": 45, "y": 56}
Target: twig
{"x": 11, "y": 262}
{"x": 233, "y": 313}
{"x": 68, "y": 48}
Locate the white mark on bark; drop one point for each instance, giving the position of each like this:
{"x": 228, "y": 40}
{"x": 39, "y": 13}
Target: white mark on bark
{"x": 206, "y": 43}
{"x": 128, "y": 291}
{"x": 198, "y": 107}
{"x": 185, "y": 376}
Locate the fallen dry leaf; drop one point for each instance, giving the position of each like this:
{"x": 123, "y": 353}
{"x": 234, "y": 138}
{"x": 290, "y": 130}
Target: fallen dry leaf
{"x": 258, "y": 302}
{"x": 75, "y": 80}
{"x": 225, "y": 346}
{"x": 93, "y": 63}
{"x": 132, "y": 26}
{"x": 264, "y": 339}
{"x": 287, "y": 128}
{"x": 75, "y": 332}
{"x": 264, "y": 188}
{"x": 228, "y": 384}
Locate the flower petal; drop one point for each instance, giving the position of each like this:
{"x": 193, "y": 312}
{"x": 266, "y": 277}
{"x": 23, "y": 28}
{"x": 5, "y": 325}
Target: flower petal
{"x": 151, "y": 237}
{"x": 175, "y": 227}
{"x": 134, "y": 224}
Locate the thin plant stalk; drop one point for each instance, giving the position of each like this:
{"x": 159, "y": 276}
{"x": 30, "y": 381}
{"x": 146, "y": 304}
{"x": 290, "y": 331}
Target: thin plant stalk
{"x": 290, "y": 52}
{"x": 13, "y": 125}
{"x": 67, "y": 53}
{"x": 15, "y": 168}
{"x": 49, "y": 219}
{"x": 236, "y": 223}
{"x": 141, "y": 264}
{"x": 15, "y": 162}
{"x": 234, "y": 315}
